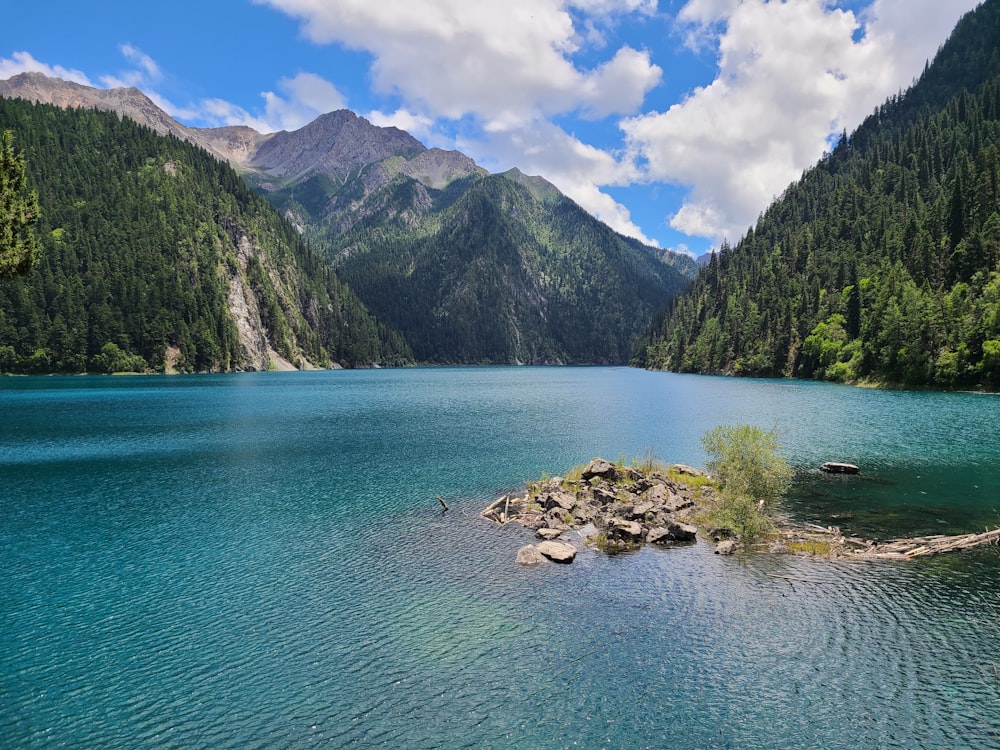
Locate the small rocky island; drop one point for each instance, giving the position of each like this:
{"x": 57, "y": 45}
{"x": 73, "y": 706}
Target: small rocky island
{"x": 609, "y": 506}
{"x": 614, "y": 508}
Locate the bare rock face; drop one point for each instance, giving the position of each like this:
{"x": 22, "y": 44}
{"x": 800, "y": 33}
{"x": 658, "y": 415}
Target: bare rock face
{"x": 334, "y": 144}
{"x": 559, "y": 552}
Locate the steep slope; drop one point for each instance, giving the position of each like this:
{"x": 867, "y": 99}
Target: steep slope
{"x": 883, "y": 261}
{"x": 486, "y": 272}
{"x": 471, "y": 268}
{"x": 156, "y": 255}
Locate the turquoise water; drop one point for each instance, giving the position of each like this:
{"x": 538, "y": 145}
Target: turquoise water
{"x": 260, "y": 561}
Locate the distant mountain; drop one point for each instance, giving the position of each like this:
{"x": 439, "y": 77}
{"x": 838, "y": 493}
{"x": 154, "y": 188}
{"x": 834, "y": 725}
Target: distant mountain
{"x": 157, "y": 256}
{"x": 400, "y": 222}
{"x": 470, "y": 267}
{"x": 883, "y": 262}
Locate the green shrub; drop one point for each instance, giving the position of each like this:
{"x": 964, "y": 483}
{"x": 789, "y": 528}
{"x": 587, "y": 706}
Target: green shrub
{"x": 751, "y": 474}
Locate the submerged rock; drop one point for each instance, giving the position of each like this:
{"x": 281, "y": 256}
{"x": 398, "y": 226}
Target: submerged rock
{"x": 836, "y": 467}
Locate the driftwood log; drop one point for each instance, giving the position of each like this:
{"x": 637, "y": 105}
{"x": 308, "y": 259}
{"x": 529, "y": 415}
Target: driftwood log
{"x": 907, "y": 549}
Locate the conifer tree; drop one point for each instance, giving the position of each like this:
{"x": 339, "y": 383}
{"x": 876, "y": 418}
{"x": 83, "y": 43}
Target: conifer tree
{"x": 18, "y": 213}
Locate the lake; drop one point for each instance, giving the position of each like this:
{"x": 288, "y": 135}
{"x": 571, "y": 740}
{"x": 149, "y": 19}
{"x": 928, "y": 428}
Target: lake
{"x": 260, "y": 560}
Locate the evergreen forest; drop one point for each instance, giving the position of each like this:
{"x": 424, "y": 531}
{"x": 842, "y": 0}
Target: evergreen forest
{"x": 501, "y": 269}
{"x": 882, "y": 263}
{"x": 146, "y": 241}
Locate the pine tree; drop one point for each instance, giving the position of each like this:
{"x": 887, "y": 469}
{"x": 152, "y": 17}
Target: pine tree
{"x": 18, "y": 213}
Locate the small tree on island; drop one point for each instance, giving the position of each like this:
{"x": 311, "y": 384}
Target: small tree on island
{"x": 752, "y": 476}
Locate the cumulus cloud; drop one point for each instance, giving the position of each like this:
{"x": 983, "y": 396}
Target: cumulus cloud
{"x": 302, "y": 99}
{"x": 500, "y": 60}
{"x": 418, "y": 125}
{"x": 23, "y": 62}
{"x": 791, "y": 76}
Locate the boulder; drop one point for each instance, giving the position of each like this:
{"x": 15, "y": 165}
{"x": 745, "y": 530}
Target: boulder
{"x": 629, "y": 531}
{"x": 598, "y": 467}
{"x": 529, "y": 555}
{"x": 639, "y": 511}
{"x": 683, "y": 532}
{"x": 559, "y": 552}
{"x": 548, "y": 533}
{"x": 558, "y": 499}
{"x": 725, "y": 547}
{"x": 658, "y": 535}
{"x": 603, "y": 497}
{"x": 672, "y": 532}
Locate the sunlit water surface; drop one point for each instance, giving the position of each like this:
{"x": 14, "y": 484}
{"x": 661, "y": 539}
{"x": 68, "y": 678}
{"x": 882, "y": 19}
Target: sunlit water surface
{"x": 261, "y": 561}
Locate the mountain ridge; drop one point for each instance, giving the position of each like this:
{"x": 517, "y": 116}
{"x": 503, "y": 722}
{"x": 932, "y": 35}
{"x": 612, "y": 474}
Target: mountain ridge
{"x": 356, "y": 191}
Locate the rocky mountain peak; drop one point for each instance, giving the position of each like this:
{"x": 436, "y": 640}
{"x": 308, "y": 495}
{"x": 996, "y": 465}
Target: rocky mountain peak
{"x": 335, "y": 144}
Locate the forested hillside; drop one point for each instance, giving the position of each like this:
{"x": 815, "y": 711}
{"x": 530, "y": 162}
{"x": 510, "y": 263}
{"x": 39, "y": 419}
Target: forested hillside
{"x": 484, "y": 269}
{"x": 156, "y": 255}
{"x": 502, "y": 269}
{"x": 883, "y": 262}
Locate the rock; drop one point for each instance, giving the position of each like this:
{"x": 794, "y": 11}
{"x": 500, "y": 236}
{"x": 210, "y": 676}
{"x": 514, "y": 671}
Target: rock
{"x": 626, "y": 530}
{"x": 672, "y": 532}
{"x": 689, "y": 470}
{"x": 603, "y": 497}
{"x": 661, "y": 495}
{"x": 683, "y": 532}
{"x": 560, "y": 499}
{"x": 835, "y": 467}
{"x": 658, "y": 535}
{"x": 725, "y": 547}
{"x": 779, "y": 548}
{"x": 548, "y": 533}
{"x": 640, "y": 510}
{"x": 529, "y": 555}
{"x": 598, "y": 467}
{"x": 554, "y": 520}
{"x": 559, "y": 552}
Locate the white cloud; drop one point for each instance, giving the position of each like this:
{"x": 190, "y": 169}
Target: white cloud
{"x": 23, "y": 62}
{"x": 498, "y": 60}
{"x": 790, "y": 76}
{"x": 418, "y": 125}
{"x": 305, "y": 97}
{"x": 302, "y": 99}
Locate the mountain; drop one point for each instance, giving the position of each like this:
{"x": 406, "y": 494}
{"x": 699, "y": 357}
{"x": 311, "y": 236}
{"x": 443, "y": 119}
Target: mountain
{"x": 474, "y": 268}
{"x": 540, "y": 280}
{"x": 484, "y": 271}
{"x": 883, "y": 262}
{"x": 156, "y": 255}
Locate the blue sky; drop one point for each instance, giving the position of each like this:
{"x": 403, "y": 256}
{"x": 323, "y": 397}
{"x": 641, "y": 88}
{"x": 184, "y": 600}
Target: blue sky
{"x": 676, "y": 122}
